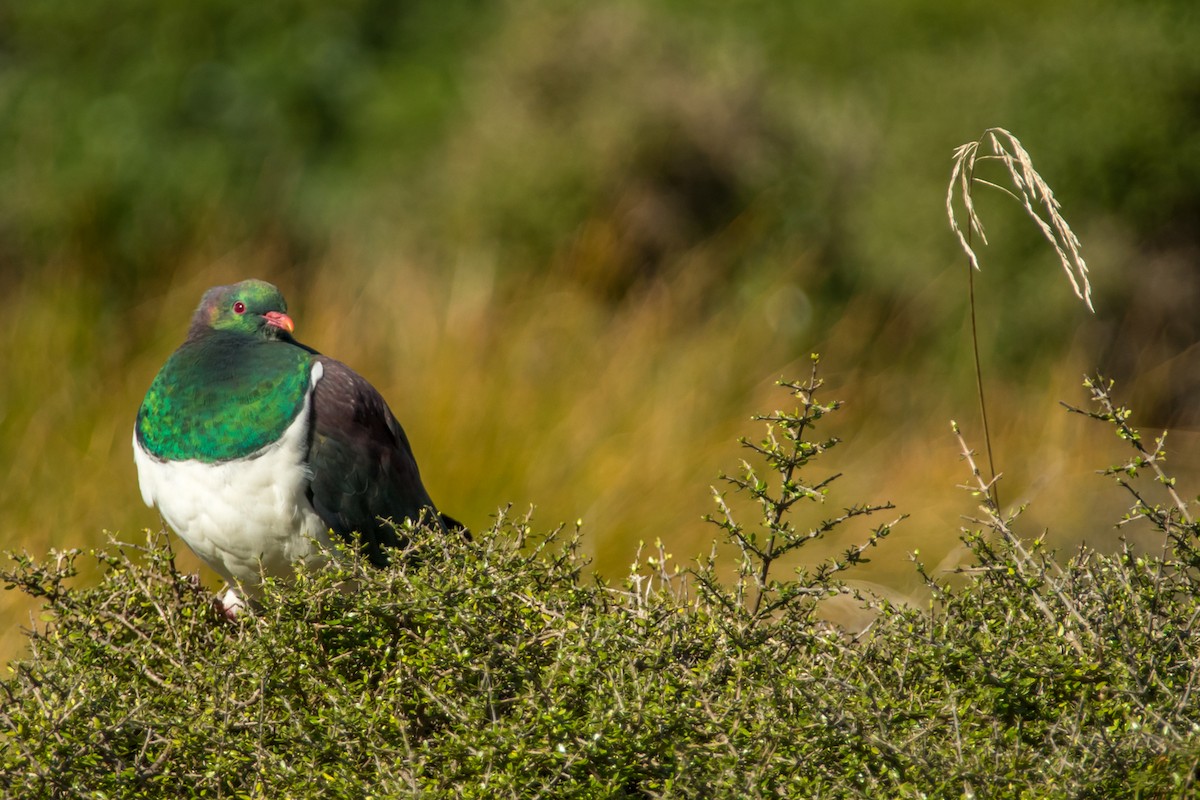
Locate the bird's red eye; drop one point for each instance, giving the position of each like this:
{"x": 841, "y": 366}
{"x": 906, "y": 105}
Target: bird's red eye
{"x": 239, "y": 307}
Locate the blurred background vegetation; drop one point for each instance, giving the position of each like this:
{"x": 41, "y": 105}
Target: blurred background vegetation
{"x": 574, "y": 244}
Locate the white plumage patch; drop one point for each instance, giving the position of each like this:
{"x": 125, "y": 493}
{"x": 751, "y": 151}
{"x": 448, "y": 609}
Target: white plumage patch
{"x": 243, "y": 518}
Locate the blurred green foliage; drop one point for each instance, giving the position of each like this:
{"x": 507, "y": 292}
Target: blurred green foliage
{"x": 133, "y": 132}
{"x": 531, "y": 223}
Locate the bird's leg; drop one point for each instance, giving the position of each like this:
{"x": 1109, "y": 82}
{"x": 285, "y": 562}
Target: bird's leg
{"x": 230, "y": 605}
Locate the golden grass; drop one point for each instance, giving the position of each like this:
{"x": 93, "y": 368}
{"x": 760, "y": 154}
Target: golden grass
{"x": 531, "y": 391}
{"x": 1029, "y": 189}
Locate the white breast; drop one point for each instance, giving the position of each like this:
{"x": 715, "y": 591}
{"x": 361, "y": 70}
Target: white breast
{"x": 243, "y": 518}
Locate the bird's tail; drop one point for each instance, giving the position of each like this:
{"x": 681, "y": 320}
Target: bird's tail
{"x": 454, "y": 526}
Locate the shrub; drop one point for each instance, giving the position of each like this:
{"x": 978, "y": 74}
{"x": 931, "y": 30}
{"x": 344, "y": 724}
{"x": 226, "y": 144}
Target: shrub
{"x": 494, "y": 667}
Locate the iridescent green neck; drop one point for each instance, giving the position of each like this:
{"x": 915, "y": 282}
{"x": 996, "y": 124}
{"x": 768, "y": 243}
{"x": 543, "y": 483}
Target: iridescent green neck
{"x": 223, "y": 396}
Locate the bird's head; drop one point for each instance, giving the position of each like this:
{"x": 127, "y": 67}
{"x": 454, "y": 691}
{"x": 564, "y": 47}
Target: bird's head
{"x": 253, "y": 307}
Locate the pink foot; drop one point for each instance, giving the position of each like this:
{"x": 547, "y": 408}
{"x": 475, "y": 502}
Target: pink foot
{"x": 230, "y": 605}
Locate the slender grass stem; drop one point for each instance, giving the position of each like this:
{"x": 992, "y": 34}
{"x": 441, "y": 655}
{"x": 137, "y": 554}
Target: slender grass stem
{"x": 993, "y": 492}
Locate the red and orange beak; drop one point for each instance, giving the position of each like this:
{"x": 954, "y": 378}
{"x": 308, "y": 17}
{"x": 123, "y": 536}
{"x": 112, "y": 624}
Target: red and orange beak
{"x": 278, "y": 319}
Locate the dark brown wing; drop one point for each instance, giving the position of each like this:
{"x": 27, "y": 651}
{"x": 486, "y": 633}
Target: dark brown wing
{"x": 363, "y": 469}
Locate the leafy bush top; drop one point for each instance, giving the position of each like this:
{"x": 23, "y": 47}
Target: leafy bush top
{"x": 494, "y": 668}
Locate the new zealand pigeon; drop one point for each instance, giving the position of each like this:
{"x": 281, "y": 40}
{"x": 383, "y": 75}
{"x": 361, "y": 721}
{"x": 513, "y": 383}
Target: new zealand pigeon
{"x": 253, "y": 445}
